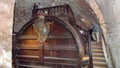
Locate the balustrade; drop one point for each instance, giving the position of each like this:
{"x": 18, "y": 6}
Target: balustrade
{"x": 51, "y": 11}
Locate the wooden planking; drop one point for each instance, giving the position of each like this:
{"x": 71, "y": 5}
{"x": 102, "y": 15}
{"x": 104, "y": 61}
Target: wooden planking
{"x": 29, "y": 48}
{"x": 28, "y": 37}
{"x": 33, "y": 66}
{"x": 48, "y": 47}
{"x": 29, "y": 31}
{"x": 29, "y": 52}
{"x": 66, "y": 54}
{"x": 28, "y": 42}
{"x": 26, "y": 49}
{"x": 60, "y": 47}
{"x": 28, "y": 45}
{"x": 27, "y": 56}
{"x": 28, "y": 61}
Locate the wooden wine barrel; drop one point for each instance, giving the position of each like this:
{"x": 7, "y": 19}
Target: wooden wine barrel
{"x": 58, "y": 50}
{"x": 61, "y": 49}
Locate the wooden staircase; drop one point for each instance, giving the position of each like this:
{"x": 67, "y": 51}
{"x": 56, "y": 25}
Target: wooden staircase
{"x": 98, "y": 56}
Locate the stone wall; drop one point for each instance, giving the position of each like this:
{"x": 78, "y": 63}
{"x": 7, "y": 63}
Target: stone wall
{"x": 6, "y": 22}
{"x": 111, "y": 12}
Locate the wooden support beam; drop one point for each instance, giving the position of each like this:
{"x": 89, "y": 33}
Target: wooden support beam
{"x": 59, "y": 58}
{"x": 27, "y": 56}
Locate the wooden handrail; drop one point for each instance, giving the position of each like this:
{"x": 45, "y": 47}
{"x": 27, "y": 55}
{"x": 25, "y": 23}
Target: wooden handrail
{"x": 105, "y": 47}
{"x": 90, "y": 51}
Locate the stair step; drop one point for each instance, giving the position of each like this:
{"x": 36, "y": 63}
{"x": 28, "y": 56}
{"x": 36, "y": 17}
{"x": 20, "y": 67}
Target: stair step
{"x": 58, "y": 58}
{"x": 98, "y": 58}
{"x": 99, "y": 67}
{"x": 97, "y": 54}
{"x": 33, "y": 66}
{"x": 99, "y": 45}
{"x": 99, "y": 63}
{"x": 95, "y": 42}
{"x": 27, "y": 56}
{"x": 97, "y": 50}
{"x": 96, "y": 47}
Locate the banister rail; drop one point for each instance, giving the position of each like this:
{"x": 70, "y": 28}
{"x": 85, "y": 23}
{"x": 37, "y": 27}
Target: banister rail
{"x": 90, "y": 50}
{"x": 105, "y": 47}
